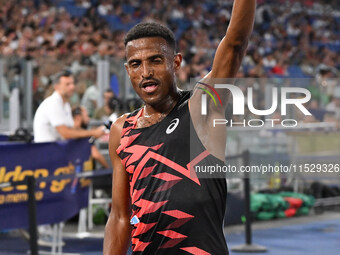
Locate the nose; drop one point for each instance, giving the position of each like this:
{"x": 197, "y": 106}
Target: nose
{"x": 147, "y": 72}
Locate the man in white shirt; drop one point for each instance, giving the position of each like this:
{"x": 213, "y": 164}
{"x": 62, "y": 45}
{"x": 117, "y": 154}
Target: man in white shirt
{"x": 53, "y": 119}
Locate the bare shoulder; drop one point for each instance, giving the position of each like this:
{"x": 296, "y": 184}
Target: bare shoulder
{"x": 119, "y": 123}
{"x": 116, "y": 131}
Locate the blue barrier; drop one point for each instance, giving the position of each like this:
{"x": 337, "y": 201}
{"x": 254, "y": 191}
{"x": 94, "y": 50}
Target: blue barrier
{"x": 3, "y": 138}
{"x": 57, "y": 199}
{"x": 31, "y": 183}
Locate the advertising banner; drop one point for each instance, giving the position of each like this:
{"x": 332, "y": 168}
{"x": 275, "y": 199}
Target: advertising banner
{"x": 58, "y": 199}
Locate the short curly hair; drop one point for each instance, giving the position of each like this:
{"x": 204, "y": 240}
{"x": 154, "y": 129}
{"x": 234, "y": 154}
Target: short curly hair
{"x": 151, "y": 29}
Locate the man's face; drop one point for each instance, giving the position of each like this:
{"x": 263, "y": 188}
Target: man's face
{"x": 65, "y": 87}
{"x": 107, "y": 97}
{"x": 151, "y": 64}
{"x": 82, "y": 119}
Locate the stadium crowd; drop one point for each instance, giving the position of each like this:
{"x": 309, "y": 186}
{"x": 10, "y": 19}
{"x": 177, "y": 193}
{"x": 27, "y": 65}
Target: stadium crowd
{"x": 298, "y": 38}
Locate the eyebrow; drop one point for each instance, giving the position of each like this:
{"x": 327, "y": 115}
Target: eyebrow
{"x": 148, "y": 58}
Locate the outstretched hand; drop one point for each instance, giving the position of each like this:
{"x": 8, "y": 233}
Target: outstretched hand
{"x": 99, "y": 131}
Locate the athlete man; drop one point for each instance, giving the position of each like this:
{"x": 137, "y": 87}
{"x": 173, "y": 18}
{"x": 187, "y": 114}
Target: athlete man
{"x": 157, "y": 200}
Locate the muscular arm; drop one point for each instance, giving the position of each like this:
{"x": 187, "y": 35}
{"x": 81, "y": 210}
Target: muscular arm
{"x": 230, "y": 51}
{"x": 233, "y": 46}
{"x": 227, "y": 61}
{"x": 118, "y": 228}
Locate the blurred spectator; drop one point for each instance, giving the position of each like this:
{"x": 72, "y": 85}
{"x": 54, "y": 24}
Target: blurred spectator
{"x": 90, "y": 99}
{"x": 53, "y": 119}
{"x": 105, "y": 7}
{"x": 334, "y": 104}
{"x": 115, "y": 106}
{"x": 290, "y": 38}
{"x": 280, "y": 69}
{"x": 301, "y": 30}
{"x": 103, "y": 113}
{"x": 269, "y": 61}
{"x": 81, "y": 120}
{"x": 83, "y": 3}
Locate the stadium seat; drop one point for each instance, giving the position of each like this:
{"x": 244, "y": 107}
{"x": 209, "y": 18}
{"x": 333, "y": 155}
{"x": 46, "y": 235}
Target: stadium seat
{"x": 75, "y": 11}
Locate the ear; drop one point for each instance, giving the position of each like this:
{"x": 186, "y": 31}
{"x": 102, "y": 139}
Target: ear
{"x": 177, "y": 61}
{"x": 127, "y": 68}
{"x": 56, "y": 86}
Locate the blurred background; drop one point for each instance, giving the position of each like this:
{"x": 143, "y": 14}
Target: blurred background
{"x": 296, "y": 39}
{"x": 294, "y": 43}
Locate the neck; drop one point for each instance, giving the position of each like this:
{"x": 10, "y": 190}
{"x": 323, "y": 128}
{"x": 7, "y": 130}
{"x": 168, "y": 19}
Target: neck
{"x": 163, "y": 107}
{"x": 65, "y": 99}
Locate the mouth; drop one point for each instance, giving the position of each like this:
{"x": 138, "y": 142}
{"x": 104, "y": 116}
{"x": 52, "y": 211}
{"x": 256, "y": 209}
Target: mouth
{"x": 149, "y": 86}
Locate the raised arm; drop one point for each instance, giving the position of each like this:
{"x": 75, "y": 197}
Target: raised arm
{"x": 118, "y": 228}
{"x": 233, "y": 46}
{"x": 226, "y": 63}
{"x": 230, "y": 51}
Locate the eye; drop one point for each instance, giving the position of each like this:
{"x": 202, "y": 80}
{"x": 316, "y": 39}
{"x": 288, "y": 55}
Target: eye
{"x": 157, "y": 60}
{"x": 134, "y": 64}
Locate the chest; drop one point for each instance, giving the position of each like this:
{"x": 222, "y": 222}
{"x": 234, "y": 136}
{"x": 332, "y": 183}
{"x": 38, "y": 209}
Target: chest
{"x": 148, "y": 121}
{"x": 172, "y": 132}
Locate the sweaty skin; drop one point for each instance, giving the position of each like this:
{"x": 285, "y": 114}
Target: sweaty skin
{"x": 151, "y": 66}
